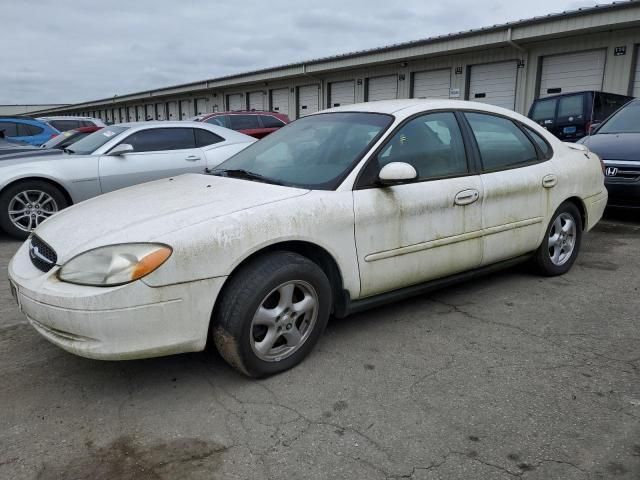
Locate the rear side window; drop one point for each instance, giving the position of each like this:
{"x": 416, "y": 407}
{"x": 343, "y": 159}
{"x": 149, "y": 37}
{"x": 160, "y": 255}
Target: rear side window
{"x": 544, "y": 110}
{"x": 243, "y": 122}
{"x": 271, "y": 122}
{"x": 219, "y": 120}
{"x": 205, "y": 137}
{"x": 542, "y": 144}
{"x": 571, "y": 108}
{"x": 605, "y": 104}
{"x": 159, "y": 139}
{"x": 23, "y": 130}
{"x": 33, "y": 129}
{"x": 9, "y": 129}
{"x": 64, "y": 125}
{"x": 501, "y": 143}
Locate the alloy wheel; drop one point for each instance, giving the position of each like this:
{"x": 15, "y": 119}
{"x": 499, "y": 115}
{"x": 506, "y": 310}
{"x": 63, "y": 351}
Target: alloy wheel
{"x": 562, "y": 239}
{"x": 29, "y": 208}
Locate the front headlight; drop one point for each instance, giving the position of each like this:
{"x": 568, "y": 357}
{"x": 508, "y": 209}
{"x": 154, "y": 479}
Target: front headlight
{"x": 115, "y": 264}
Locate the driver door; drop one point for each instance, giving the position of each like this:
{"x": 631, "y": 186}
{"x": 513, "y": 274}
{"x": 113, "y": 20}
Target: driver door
{"x": 157, "y": 153}
{"x": 424, "y": 229}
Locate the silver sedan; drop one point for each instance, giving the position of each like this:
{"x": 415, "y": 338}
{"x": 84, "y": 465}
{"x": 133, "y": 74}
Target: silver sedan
{"x": 33, "y": 187}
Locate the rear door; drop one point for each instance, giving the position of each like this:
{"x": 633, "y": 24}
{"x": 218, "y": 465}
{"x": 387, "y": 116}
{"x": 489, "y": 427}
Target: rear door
{"x": 158, "y": 153}
{"x": 514, "y": 181}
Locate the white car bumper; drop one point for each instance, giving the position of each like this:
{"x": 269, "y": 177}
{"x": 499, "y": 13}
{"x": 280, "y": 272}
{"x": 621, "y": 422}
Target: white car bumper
{"x": 117, "y": 323}
{"x": 595, "y": 206}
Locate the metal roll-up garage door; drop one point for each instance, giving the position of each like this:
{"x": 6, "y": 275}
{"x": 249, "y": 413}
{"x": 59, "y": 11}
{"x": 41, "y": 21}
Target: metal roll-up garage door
{"x": 432, "y": 84}
{"x": 572, "y": 72}
{"x": 172, "y": 111}
{"x": 131, "y": 114}
{"x": 636, "y": 79}
{"x": 308, "y": 100}
{"x": 280, "y": 100}
{"x": 201, "y": 105}
{"x": 494, "y": 83}
{"x": 185, "y": 109}
{"x": 342, "y": 93}
{"x": 256, "y": 100}
{"x": 382, "y": 88}
{"x": 149, "y": 113}
{"x": 160, "y": 111}
{"x": 140, "y": 113}
{"x": 234, "y": 102}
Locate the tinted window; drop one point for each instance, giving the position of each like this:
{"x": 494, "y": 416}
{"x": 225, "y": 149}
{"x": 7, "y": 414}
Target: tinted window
{"x": 572, "y": 106}
{"x": 86, "y": 123}
{"x": 64, "y": 125}
{"x": 158, "y": 139}
{"x": 94, "y": 141}
{"x": 544, "y": 147}
{"x": 501, "y": 143}
{"x": 269, "y": 121}
{"x": 10, "y": 129}
{"x": 431, "y": 143}
{"x": 218, "y": 120}
{"x": 313, "y": 152}
{"x": 605, "y": 104}
{"x": 544, "y": 110}
{"x": 205, "y": 137}
{"x": 625, "y": 120}
{"x": 23, "y": 130}
{"x": 33, "y": 129}
{"x": 243, "y": 122}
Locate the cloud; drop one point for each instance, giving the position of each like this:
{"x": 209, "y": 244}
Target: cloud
{"x": 59, "y": 51}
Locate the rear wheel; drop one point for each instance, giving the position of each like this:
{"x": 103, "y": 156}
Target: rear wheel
{"x": 272, "y": 313}
{"x": 561, "y": 243}
{"x": 27, "y": 204}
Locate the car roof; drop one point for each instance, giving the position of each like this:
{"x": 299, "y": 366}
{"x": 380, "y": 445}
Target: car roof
{"x": 63, "y": 117}
{"x": 227, "y": 134}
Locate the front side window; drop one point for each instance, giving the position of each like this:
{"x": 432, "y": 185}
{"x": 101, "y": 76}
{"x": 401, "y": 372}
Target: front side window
{"x": 431, "y": 143}
{"x": 500, "y": 142}
{"x": 243, "y": 122}
{"x": 544, "y": 110}
{"x": 315, "y": 152}
{"x": 33, "y": 129}
{"x": 91, "y": 143}
{"x": 160, "y": 139}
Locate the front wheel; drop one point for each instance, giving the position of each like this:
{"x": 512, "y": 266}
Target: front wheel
{"x": 24, "y": 205}
{"x": 561, "y": 243}
{"x": 272, "y": 313}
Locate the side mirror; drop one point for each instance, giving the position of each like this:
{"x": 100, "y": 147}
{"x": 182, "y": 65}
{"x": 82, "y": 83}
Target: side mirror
{"x": 121, "y": 149}
{"x": 396, "y": 172}
{"x": 594, "y": 127}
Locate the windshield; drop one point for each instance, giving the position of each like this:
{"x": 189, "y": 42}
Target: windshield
{"x": 625, "y": 120}
{"x": 314, "y": 152}
{"x": 91, "y": 143}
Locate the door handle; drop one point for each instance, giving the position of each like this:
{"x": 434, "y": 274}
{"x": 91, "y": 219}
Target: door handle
{"x": 192, "y": 158}
{"x": 467, "y": 197}
{"x": 549, "y": 181}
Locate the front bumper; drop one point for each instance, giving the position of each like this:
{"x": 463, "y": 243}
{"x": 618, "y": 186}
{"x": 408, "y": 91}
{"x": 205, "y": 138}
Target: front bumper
{"x": 623, "y": 193}
{"x": 114, "y": 323}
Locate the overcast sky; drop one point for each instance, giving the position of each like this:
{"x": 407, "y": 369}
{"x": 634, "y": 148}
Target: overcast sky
{"x": 59, "y": 51}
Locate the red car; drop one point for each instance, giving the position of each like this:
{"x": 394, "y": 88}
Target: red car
{"x": 254, "y": 123}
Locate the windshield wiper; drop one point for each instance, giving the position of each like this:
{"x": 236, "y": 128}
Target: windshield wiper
{"x": 68, "y": 150}
{"x": 243, "y": 174}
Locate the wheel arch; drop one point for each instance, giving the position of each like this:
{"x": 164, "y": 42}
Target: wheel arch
{"x": 314, "y": 252}
{"x": 50, "y": 181}
{"x": 577, "y": 201}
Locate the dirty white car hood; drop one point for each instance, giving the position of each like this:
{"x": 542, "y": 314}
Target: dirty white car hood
{"x": 146, "y": 212}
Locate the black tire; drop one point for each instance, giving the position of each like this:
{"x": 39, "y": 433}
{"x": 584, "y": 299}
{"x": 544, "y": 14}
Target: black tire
{"x": 246, "y": 291}
{"x": 15, "y": 189}
{"x": 542, "y": 260}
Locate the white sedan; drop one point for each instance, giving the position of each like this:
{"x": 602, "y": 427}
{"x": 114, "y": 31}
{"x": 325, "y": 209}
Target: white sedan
{"x": 336, "y": 212}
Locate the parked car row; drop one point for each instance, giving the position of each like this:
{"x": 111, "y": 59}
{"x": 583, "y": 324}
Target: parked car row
{"x": 336, "y": 212}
